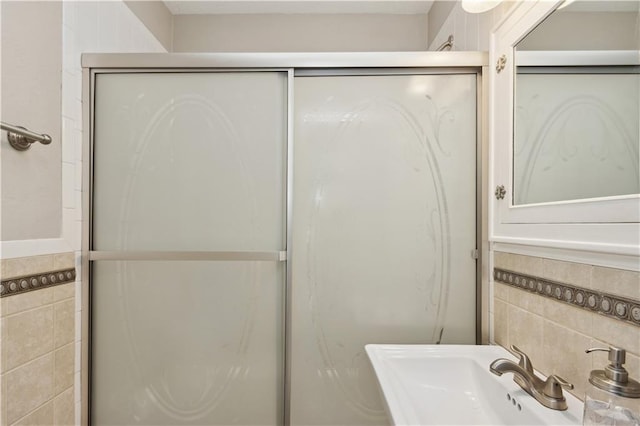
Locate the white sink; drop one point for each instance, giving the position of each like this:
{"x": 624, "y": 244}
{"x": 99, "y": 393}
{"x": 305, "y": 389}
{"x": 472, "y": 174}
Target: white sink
{"x": 452, "y": 384}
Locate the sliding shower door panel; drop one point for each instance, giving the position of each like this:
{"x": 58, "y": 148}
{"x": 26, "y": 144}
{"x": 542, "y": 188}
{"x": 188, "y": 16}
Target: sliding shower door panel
{"x": 384, "y": 227}
{"x": 188, "y": 162}
{"x": 179, "y": 343}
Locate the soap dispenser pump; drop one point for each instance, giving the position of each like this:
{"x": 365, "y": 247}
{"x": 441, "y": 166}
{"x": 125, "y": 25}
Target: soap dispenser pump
{"x": 611, "y": 400}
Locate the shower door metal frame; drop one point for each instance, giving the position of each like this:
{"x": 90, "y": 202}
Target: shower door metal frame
{"x": 324, "y": 63}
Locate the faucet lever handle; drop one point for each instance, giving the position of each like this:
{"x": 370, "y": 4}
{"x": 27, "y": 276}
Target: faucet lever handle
{"x": 553, "y": 386}
{"x": 524, "y": 362}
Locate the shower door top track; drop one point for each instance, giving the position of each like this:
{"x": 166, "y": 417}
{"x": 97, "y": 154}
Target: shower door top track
{"x": 295, "y": 60}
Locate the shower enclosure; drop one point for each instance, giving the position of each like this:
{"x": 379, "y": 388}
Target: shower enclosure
{"x": 252, "y": 221}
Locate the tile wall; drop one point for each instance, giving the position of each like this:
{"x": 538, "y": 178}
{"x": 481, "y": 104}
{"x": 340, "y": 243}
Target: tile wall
{"x": 37, "y": 344}
{"x": 555, "y": 334}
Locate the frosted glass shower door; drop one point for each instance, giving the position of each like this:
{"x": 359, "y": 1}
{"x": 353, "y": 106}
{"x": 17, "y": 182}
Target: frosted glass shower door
{"x": 188, "y": 224}
{"x": 384, "y": 224}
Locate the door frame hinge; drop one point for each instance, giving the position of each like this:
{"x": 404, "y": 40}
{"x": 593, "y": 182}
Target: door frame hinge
{"x": 475, "y": 254}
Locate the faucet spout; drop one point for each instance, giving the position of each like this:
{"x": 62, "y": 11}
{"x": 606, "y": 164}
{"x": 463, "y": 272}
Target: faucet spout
{"x": 502, "y": 365}
{"x": 548, "y": 393}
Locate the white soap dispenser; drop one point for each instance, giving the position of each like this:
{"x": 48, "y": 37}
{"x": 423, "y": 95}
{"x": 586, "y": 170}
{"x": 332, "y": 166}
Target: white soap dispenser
{"x": 611, "y": 398}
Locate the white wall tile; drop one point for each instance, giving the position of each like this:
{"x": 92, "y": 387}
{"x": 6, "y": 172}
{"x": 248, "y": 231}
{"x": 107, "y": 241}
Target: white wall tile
{"x": 68, "y": 148}
{"x": 77, "y": 235}
{"x": 78, "y": 182}
{"x": 69, "y": 14}
{"x": 70, "y": 107}
{"x": 78, "y": 202}
{"x": 86, "y": 32}
{"x": 70, "y": 83}
{"x": 68, "y": 177}
{"x": 107, "y": 37}
{"x": 70, "y": 58}
{"x": 124, "y": 28}
{"x": 68, "y": 223}
{"x": 78, "y": 119}
{"x": 77, "y": 143}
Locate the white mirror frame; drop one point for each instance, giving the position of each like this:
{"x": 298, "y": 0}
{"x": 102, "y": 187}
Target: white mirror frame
{"x": 603, "y": 231}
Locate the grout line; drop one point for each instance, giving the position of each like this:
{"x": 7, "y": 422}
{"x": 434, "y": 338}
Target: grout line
{"x": 28, "y": 362}
{"x": 27, "y": 310}
{"x": 50, "y": 400}
{"x": 51, "y": 352}
{"x": 33, "y": 411}
{"x": 35, "y": 308}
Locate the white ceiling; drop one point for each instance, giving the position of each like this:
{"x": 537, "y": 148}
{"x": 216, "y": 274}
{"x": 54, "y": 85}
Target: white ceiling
{"x": 205, "y": 7}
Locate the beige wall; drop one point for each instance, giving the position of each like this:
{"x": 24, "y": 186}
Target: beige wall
{"x": 554, "y": 334}
{"x": 438, "y": 14}
{"x": 37, "y": 363}
{"x": 304, "y": 33}
{"x": 156, "y": 17}
{"x": 584, "y": 31}
{"x": 31, "y": 181}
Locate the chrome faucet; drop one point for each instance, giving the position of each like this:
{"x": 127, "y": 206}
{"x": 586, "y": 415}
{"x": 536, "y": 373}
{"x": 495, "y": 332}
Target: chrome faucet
{"x": 547, "y": 393}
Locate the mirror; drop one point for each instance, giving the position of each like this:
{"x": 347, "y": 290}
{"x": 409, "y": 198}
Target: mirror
{"x": 577, "y": 104}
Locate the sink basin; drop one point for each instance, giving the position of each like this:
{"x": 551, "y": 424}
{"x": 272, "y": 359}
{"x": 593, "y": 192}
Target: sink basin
{"x": 452, "y": 384}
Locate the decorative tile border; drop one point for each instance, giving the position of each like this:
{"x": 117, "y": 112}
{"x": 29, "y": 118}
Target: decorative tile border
{"x": 34, "y": 282}
{"x": 620, "y": 308}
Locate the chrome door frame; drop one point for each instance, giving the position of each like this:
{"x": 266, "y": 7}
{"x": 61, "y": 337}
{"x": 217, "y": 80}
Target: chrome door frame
{"x": 304, "y": 63}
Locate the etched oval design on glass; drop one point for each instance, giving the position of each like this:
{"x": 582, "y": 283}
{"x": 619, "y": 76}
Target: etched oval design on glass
{"x": 191, "y": 384}
{"x": 357, "y": 211}
{"x": 200, "y": 339}
{"x": 375, "y": 236}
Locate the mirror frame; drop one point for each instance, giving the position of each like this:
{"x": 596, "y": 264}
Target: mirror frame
{"x": 600, "y": 231}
